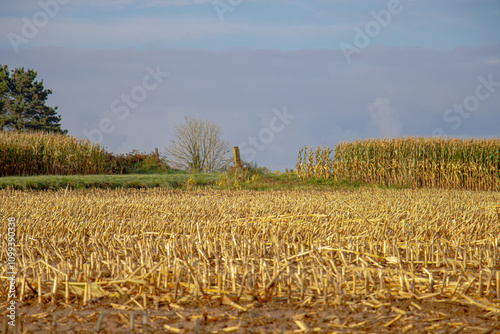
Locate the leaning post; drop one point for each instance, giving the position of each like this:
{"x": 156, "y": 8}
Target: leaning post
{"x": 237, "y": 158}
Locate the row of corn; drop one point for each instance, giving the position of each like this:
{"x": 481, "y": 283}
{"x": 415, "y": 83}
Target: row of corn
{"x": 417, "y": 162}
{"x": 24, "y": 153}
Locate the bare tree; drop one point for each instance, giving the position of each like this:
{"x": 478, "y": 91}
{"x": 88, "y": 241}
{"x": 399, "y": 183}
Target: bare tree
{"x": 198, "y": 146}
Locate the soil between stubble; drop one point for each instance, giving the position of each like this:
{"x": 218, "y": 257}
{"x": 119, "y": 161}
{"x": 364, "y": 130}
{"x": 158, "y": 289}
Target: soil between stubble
{"x": 271, "y": 316}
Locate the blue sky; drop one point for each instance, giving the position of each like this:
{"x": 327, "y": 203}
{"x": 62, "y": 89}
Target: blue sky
{"x": 340, "y": 69}
{"x": 275, "y": 24}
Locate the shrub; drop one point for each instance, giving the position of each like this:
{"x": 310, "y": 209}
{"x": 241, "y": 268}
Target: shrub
{"x": 136, "y": 162}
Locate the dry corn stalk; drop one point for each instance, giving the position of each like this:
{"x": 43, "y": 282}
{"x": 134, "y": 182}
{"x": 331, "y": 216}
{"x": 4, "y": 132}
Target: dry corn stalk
{"x": 472, "y": 164}
{"x": 38, "y": 153}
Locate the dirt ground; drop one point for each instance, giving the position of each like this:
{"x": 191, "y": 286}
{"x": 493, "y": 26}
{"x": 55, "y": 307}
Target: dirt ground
{"x": 372, "y": 314}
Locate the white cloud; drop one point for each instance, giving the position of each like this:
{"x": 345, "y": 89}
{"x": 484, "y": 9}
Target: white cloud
{"x": 492, "y": 61}
{"x": 145, "y": 3}
{"x": 384, "y": 118}
{"x": 143, "y": 31}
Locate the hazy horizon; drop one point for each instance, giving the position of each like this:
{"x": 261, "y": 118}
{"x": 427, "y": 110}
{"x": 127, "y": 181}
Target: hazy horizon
{"x": 275, "y": 75}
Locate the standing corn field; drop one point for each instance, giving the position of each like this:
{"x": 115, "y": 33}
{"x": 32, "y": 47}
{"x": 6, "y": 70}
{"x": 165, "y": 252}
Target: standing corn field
{"x": 416, "y": 162}
{"x": 315, "y": 163}
{"x": 38, "y": 153}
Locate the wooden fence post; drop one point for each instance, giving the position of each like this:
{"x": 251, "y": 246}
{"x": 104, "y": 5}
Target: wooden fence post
{"x": 157, "y": 154}
{"x": 237, "y": 158}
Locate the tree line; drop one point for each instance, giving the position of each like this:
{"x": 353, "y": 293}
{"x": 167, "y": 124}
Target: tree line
{"x": 197, "y": 144}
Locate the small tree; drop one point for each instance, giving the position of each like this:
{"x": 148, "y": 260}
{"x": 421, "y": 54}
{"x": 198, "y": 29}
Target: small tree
{"x": 22, "y": 103}
{"x": 198, "y": 146}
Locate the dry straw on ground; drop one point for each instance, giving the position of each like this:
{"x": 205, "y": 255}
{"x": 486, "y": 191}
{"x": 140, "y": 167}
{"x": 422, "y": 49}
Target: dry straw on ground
{"x": 292, "y": 261}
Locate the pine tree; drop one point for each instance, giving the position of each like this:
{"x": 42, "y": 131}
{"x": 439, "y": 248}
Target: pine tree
{"x": 23, "y": 103}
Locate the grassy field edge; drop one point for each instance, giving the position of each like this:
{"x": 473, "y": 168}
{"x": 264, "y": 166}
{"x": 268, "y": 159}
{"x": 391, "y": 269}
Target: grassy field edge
{"x": 177, "y": 180}
{"x": 54, "y": 182}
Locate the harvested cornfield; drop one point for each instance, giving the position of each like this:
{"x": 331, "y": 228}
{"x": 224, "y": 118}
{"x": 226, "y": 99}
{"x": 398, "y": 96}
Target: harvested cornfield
{"x": 448, "y": 163}
{"x": 372, "y": 260}
{"x": 24, "y": 153}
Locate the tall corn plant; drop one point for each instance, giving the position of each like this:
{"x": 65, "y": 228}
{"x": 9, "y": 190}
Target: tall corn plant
{"x": 416, "y": 161}
{"x": 38, "y": 153}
